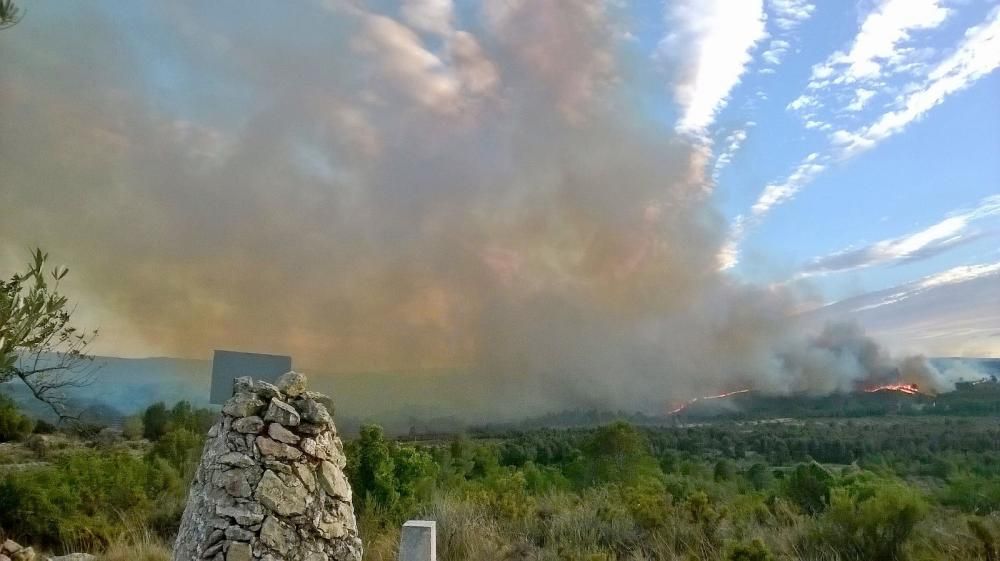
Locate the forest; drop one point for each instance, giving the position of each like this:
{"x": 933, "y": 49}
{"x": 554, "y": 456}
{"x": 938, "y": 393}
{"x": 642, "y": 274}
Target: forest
{"x": 866, "y": 488}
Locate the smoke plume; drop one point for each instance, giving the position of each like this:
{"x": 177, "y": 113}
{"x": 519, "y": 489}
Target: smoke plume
{"x": 372, "y": 191}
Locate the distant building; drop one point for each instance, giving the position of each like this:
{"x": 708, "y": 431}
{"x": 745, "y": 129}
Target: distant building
{"x": 229, "y": 365}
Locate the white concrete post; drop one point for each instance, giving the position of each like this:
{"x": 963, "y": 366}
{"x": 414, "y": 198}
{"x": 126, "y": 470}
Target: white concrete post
{"x": 418, "y": 542}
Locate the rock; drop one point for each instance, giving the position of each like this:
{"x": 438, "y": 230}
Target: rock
{"x": 239, "y": 551}
{"x": 10, "y": 546}
{"x": 322, "y": 447}
{"x": 248, "y": 425}
{"x": 274, "y": 449}
{"x": 235, "y": 482}
{"x": 267, "y": 390}
{"x": 243, "y": 404}
{"x": 245, "y": 515}
{"x": 23, "y": 554}
{"x": 281, "y": 498}
{"x": 276, "y": 535}
{"x": 243, "y": 384}
{"x": 313, "y": 412}
{"x": 282, "y": 413}
{"x": 292, "y": 383}
{"x": 235, "y": 533}
{"x": 3, "y": 557}
{"x": 74, "y": 557}
{"x": 257, "y": 494}
{"x": 305, "y": 475}
{"x": 236, "y": 459}
{"x": 333, "y": 481}
{"x": 281, "y": 434}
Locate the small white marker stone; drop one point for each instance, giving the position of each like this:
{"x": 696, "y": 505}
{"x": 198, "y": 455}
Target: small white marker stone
{"x": 418, "y": 541}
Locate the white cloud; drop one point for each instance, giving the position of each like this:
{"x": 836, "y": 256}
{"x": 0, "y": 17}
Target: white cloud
{"x": 880, "y": 40}
{"x": 976, "y": 56}
{"x": 861, "y": 97}
{"x": 953, "y": 276}
{"x": 952, "y": 230}
{"x": 790, "y": 13}
{"x": 777, "y": 193}
{"x": 731, "y": 145}
{"x": 710, "y": 43}
{"x": 775, "y": 51}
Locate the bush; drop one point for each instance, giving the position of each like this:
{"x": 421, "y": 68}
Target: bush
{"x": 83, "y": 497}
{"x": 13, "y": 425}
{"x": 871, "y": 521}
{"x": 809, "y": 487}
{"x": 753, "y": 551}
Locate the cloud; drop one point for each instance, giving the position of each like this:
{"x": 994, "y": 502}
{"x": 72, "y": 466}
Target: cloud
{"x": 976, "y": 56}
{"x": 708, "y": 48}
{"x": 923, "y": 244}
{"x": 775, "y": 51}
{"x": 790, "y": 13}
{"x": 731, "y": 145}
{"x": 878, "y": 43}
{"x": 950, "y": 313}
{"x": 778, "y": 193}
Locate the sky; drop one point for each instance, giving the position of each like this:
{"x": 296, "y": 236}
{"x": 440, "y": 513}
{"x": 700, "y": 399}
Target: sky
{"x": 406, "y": 183}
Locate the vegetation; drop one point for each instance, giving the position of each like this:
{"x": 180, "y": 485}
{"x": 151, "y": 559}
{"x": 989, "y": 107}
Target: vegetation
{"x": 38, "y": 344}
{"x": 883, "y": 489}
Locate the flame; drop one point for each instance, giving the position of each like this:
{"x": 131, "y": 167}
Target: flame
{"x": 694, "y": 400}
{"x": 908, "y": 389}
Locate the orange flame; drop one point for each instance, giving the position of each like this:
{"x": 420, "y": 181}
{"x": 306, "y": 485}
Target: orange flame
{"x": 908, "y": 389}
{"x": 692, "y": 401}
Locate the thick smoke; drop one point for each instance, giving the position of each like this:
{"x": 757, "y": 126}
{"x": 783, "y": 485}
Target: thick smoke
{"x": 372, "y": 191}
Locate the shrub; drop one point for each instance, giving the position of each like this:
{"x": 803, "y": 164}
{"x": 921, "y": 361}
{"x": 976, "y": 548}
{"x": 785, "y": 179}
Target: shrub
{"x": 871, "y": 521}
{"x": 809, "y": 487}
{"x": 13, "y": 425}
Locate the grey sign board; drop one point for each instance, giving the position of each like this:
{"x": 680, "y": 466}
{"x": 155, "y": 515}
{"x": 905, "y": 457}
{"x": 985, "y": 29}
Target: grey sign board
{"x": 229, "y": 365}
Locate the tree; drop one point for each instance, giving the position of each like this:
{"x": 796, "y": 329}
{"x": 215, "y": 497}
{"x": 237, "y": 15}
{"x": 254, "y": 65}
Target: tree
{"x": 37, "y": 343}
{"x": 10, "y": 14}
{"x": 13, "y": 425}
{"x": 871, "y": 520}
{"x": 373, "y": 470}
{"x": 809, "y": 486}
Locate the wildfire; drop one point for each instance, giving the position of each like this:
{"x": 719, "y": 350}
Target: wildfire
{"x": 908, "y": 389}
{"x": 692, "y": 401}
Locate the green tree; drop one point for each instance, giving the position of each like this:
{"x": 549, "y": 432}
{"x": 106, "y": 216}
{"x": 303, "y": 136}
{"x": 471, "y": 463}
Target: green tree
{"x": 871, "y": 520}
{"x": 373, "y": 472}
{"x": 155, "y": 421}
{"x": 38, "y": 345}
{"x": 10, "y": 14}
{"x": 809, "y": 487}
{"x": 618, "y": 453}
{"x": 13, "y": 425}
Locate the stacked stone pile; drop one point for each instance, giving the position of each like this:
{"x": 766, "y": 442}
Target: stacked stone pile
{"x": 271, "y": 485}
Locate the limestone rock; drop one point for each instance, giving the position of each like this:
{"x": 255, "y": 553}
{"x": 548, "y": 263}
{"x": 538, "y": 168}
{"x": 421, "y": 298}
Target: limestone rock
{"x": 282, "y": 413}
{"x": 275, "y": 449}
{"x": 239, "y": 551}
{"x": 334, "y": 482}
{"x": 243, "y": 404}
{"x": 270, "y": 487}
{"x": 73, "y": 557}
{"x": 292, "y": 383}
{"x": 281, "y": 497}
{"x": 248, "y": 425}
{"x": 314, "y": 412}
{"x": 281, "y": 434}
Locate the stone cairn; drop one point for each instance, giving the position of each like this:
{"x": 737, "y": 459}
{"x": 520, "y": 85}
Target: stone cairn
{"x": 271, "y": 484}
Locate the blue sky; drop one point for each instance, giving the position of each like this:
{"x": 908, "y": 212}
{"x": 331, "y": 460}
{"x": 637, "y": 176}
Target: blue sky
{"x": 849, "y": 150}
